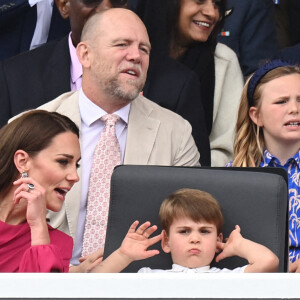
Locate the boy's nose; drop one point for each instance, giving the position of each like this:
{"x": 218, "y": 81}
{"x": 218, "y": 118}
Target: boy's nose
{"x": 195, "y": 238}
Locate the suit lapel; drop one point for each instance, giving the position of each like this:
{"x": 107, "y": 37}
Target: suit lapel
{"x": 142, "y": 132}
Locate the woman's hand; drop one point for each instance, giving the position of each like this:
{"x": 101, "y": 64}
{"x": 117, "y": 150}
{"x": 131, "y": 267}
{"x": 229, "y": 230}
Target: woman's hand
{"x": 34, "y": 194}
{"x": 295, "y": 266}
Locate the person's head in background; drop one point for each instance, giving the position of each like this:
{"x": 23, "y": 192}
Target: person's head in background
{"x": 114, "y": 53}
{"x": 45, "y": 146}
{"x": 78, "y": 11}
{"x": 269, "y": 115}
{"x": 192, "y": 224}
{"x": 190, "y": 22}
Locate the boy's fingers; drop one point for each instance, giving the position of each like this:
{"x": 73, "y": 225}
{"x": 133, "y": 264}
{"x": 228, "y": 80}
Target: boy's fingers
{"x": 143, "y": 227}
{"x": 149, "y": 231}
{"x": 133, "y": 226}
{"x": 82, "y": 259}
{"x": 219, "y": 257}
{"x": 151, "y": 253}
{"x": 237, "y": 227}
{"x": 155, "y": 239}
{"x": 220, "y": 245}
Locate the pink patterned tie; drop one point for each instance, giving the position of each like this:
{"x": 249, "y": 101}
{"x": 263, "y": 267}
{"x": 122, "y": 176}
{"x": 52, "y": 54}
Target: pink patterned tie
{"x": 106, "y": 156}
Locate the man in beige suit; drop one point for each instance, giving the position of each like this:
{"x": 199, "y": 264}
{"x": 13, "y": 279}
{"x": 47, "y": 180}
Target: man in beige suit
{"x": 114, "y": 53}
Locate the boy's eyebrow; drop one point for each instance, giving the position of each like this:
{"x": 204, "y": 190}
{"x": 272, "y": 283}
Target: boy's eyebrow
{"x": 208, "y": 225}
{"x": 201, "y": 226}
{"x": 183, "y": 227}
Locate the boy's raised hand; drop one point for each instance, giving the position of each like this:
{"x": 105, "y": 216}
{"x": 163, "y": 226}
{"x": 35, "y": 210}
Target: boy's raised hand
{"x": 137, "y": 241}
{"x": 260, "y": 258}
{"x": 134, "y": 247}
{"x": 231, "y": 245}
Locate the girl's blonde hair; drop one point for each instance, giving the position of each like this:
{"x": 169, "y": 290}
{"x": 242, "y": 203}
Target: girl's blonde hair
{"x": 249, "y": 141}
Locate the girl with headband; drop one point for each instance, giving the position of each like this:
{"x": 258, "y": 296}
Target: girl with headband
{"x": 268, "y": 134}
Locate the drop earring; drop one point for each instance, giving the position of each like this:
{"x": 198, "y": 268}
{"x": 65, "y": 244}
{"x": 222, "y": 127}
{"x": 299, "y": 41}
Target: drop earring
{"x": 24, "y": 174}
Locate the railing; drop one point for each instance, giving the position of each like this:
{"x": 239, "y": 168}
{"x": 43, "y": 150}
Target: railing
{"x": 149, "y": 286}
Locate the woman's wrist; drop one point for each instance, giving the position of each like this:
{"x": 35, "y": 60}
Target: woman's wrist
{"x": 39, "y": 233}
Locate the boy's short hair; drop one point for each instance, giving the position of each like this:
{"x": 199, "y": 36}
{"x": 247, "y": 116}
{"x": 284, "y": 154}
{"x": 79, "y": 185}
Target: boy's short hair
{"x": 191, "y": 203}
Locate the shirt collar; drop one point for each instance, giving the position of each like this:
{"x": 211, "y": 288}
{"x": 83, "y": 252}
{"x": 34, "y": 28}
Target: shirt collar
{"x": 271, "y": 161}
{"x": 178, "y": 268}
{"x": 90, "y": 112}
{"x": 76, "y": 68}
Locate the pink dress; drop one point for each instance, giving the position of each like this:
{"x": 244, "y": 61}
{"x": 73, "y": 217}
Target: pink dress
{"x": 17, "y": 254}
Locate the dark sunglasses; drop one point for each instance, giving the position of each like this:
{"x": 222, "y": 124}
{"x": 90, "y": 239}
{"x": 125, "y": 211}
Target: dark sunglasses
{"x": 114, "y": 3}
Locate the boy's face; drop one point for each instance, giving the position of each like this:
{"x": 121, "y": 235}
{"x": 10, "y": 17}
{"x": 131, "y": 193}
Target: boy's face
{"x": 191, "y": 244}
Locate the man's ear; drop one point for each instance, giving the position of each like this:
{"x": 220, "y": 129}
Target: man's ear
{"x": 219, "y": 239}
{"x": 165, "y": 242}
{"x": 22, "y": 160}
{"x": 83, "y": 54}
{"x": 254, "y": 116}
{"x": 63, "y": 7}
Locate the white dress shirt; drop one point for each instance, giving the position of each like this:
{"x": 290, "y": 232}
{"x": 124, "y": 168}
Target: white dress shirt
{"x": 206, "y": 269}
{"x": 44, "y": 14}
{"x": 91, "y": 129}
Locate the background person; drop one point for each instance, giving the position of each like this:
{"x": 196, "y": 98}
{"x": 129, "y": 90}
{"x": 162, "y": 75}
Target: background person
{"x": 186, "y": 30}
{"x": 27, "y": 82}
{"x": 250, "y": 31}
{"x": 114, "y": 53}
{"x": 26, "y": 24}
{"x": 33, "y": 78}
{"x": 268, "y": 134}
{"x": 44, "y": 148}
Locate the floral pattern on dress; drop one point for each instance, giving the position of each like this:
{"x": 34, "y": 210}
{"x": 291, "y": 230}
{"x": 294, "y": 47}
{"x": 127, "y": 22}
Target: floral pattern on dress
{"x": 292, "y": 167}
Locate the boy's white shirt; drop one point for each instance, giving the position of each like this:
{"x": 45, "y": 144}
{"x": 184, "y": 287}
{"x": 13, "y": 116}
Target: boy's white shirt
{"x": 205, "y": 269}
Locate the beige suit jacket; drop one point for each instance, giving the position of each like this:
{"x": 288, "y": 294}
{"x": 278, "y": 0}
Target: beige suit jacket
{"x": 156, "y": 136}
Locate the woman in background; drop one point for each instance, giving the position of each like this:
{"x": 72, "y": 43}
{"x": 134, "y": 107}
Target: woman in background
{"x": 186, "y": 31}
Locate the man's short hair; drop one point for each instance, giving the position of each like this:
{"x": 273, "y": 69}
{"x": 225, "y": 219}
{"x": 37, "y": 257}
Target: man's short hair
{"x": 191, "y": 203}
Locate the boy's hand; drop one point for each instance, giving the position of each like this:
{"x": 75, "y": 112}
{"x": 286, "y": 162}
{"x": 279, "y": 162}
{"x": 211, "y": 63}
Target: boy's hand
{"x": 134, "y": 247}
{"x": 137, "y": 241}
{"x": 87, "y": 263}
{"x": 259, "y": 257}
{"x": 230, "y": 247}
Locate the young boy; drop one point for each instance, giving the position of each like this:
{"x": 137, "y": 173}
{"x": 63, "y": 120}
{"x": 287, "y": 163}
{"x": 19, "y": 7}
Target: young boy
{"x": 192, "y": 222}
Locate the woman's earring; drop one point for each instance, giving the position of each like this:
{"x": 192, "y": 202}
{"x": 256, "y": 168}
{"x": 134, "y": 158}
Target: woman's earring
{"x": 24, "y": 174}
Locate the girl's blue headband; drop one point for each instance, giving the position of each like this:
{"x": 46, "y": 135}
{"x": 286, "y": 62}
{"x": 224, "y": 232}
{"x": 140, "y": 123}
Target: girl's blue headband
{"x": 259, "y": 74}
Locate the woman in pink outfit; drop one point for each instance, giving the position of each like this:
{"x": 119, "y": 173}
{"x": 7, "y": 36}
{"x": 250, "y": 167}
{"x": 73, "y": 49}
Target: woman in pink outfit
{"x": 39, "y": 154}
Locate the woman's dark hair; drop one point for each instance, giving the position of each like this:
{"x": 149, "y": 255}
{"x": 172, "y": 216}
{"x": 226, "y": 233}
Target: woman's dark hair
{"x": 32, "y": 132}
{"x": 173, "y": 10}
